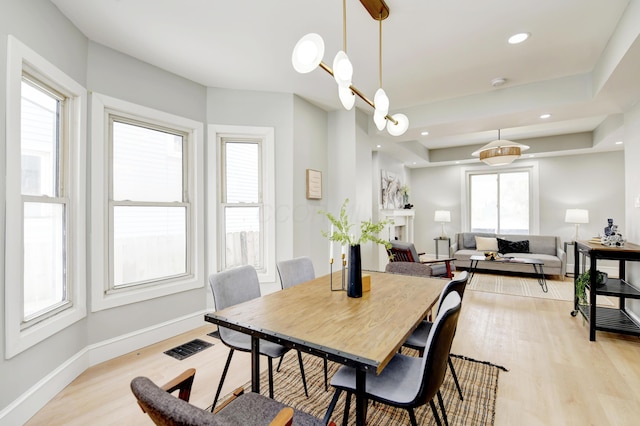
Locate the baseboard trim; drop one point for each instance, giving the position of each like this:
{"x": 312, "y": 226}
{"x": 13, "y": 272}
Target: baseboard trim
{"x": 36, "y": 397}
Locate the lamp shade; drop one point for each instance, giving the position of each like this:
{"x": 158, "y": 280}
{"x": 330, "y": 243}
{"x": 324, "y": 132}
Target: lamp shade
{"x": 500, "y": 152}
{"x": 577, "y": 216}
{"x": 398, "y": 129}
{"x": 308, "y": 53}
{"x": 342, "y": 69}
{"x": 347, "y": 97}
{"x": 442, "y": 216}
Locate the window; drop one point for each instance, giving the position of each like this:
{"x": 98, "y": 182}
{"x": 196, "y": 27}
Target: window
{"x": 45, "y": 269}
{"x": 242, "y": 198}
{"x": 147, "y": 184}
{"x": 242, "y": 208}
{"x": 149, "y": 203}
{"x": 503, "y": 201}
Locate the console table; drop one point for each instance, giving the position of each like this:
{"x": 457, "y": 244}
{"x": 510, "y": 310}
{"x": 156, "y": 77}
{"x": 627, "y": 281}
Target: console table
{"x": 615, "y": 320}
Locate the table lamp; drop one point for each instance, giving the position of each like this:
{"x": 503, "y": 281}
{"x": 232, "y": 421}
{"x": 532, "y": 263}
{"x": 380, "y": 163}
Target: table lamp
{"x": 442, "y": 216}
{"x": 576, "y": 216}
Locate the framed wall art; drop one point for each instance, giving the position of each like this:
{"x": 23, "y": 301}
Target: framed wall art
{"x": 314, "y": 184}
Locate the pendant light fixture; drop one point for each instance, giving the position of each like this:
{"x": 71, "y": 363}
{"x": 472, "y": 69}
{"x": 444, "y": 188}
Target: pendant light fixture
{"x": 500, "y": 152}
{"x": 307, "y": 56}
{"x": 380, "y": 99}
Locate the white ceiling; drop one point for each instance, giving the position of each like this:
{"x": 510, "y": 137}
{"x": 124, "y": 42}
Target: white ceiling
{"x": 581, "y": 63}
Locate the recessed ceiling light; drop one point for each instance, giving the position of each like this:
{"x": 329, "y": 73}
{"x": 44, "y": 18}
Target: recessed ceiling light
{"x": 425, "y": 133}
{"x": 415, "y": 162}
{"x": 378, "y": 146}
{"x": 543, "y": 116}
{"x": 619, "y": 143}
{"x": 518, "y": 38}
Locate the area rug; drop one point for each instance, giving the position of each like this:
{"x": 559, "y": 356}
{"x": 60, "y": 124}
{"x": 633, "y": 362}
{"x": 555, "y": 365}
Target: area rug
{"x": 527, "y": 286}
{"x": 478, "y": 379}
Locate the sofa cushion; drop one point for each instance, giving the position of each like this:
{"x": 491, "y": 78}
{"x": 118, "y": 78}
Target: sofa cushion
{"x": 486, "y": 244}
{"x": 469, "y": 239}
{"x": 506, "y": 246}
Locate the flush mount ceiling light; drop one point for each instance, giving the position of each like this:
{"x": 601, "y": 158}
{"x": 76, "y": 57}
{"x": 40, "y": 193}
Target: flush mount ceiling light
{"x": 309, "y": 51}
{"x": 500, "y": 152}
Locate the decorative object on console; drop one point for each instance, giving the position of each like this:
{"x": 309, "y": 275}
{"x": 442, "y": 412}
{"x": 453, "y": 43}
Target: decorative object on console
{"x": 405, "y": 196}
{"x": 341, "y": 232}
{"x": 613, "y": 238}
{"x": 500, "y": 152}
{"x": 442, "y": 216}
{"x": 576, "y": 216}
{"x": 307, "y": 56}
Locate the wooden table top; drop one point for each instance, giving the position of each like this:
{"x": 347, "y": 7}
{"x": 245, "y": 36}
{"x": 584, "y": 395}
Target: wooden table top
{"x": 364, "y": 332}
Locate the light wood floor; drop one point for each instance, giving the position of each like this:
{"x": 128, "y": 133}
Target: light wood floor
{"x": 556, "y": 376}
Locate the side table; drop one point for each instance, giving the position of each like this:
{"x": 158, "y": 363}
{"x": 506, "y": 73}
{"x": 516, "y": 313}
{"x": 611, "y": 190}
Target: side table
{"x": 437, "y": 242}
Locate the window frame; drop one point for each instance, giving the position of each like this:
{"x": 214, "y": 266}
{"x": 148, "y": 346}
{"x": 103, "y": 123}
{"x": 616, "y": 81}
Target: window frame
{"x": 103, "y": 296}
{"x": 20, "y": 335}
{"x": 534, "y": 194}
{"x": 214, "y": 195}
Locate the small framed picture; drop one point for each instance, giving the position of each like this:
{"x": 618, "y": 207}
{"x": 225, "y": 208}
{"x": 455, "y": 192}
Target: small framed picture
{"x": 314, "y": 184}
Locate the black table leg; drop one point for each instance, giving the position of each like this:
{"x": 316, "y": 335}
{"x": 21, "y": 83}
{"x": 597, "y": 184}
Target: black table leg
{"x": 255, "y": 364}
{"x": 541, "y": 279}
{"x": 472, "y": 269}
{"x": 361, "y": 402}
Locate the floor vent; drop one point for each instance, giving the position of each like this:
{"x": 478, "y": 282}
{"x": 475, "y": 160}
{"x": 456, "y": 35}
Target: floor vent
{"x": 187, "y": 349}
{"x": 214, "y": 334}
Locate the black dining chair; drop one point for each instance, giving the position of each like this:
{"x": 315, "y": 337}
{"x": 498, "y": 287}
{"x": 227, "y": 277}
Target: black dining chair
{"x": 293, "y": 272}
{"x": 230, "y": 288}
{"x": 408, "y": 382}
{"x": 418, "y": 339}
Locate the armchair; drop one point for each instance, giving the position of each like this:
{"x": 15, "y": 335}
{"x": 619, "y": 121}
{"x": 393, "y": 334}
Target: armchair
{"x": 403, "y": 252}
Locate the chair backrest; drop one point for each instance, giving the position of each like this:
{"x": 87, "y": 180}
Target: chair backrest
{"x": 438, "y": 347}
{"x": 458, "y": 284}
{"x": 295, "y": 271}
{"x": 401, "y": 251}
{"x": 166, "y": 409}
{"x": 232, "y": 287}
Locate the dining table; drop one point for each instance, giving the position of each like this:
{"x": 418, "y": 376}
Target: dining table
{"x": 363, "y": 333}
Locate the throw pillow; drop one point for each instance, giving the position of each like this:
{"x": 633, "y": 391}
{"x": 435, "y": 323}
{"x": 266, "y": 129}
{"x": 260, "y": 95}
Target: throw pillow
{"x": 486, "y": 244}
{"x": 506, "y": 246}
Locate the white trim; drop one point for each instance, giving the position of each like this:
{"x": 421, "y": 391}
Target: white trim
{"x": 17, "y": 340}
{"x": 99, "y": 189}
{"x": 215, "y": 132}
{"x": 26, "y": 405}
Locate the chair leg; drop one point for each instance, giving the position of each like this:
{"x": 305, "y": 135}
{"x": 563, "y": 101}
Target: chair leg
{"x": 455, "y": 378}
{"x": 444, "y": 413}
{"x": 332, "y": 406}
{"x": 412, "y": 417}
{"x": 224, "y": 375}
{"x": 270, "y": 377}
{"x": 435, "y": 412}
{"x": 304, "y": 379}
{"x": 279, "y": 363}
{"x": 347, "y": 406}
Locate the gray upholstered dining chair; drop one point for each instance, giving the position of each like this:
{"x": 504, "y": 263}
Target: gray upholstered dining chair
{"x": 293, "y": 272}
{"x": 232, "y": 287}
{"x": 418, "y": 339}
{"x": 408, "y": 382}
{"x": 241, "y": 409}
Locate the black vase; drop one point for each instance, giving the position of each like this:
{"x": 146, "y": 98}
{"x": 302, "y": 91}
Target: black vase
{"x": 354, "y": 286}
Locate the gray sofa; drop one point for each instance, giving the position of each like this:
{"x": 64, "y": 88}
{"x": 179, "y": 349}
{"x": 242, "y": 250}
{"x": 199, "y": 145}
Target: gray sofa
{"x": 547, "y": 248}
